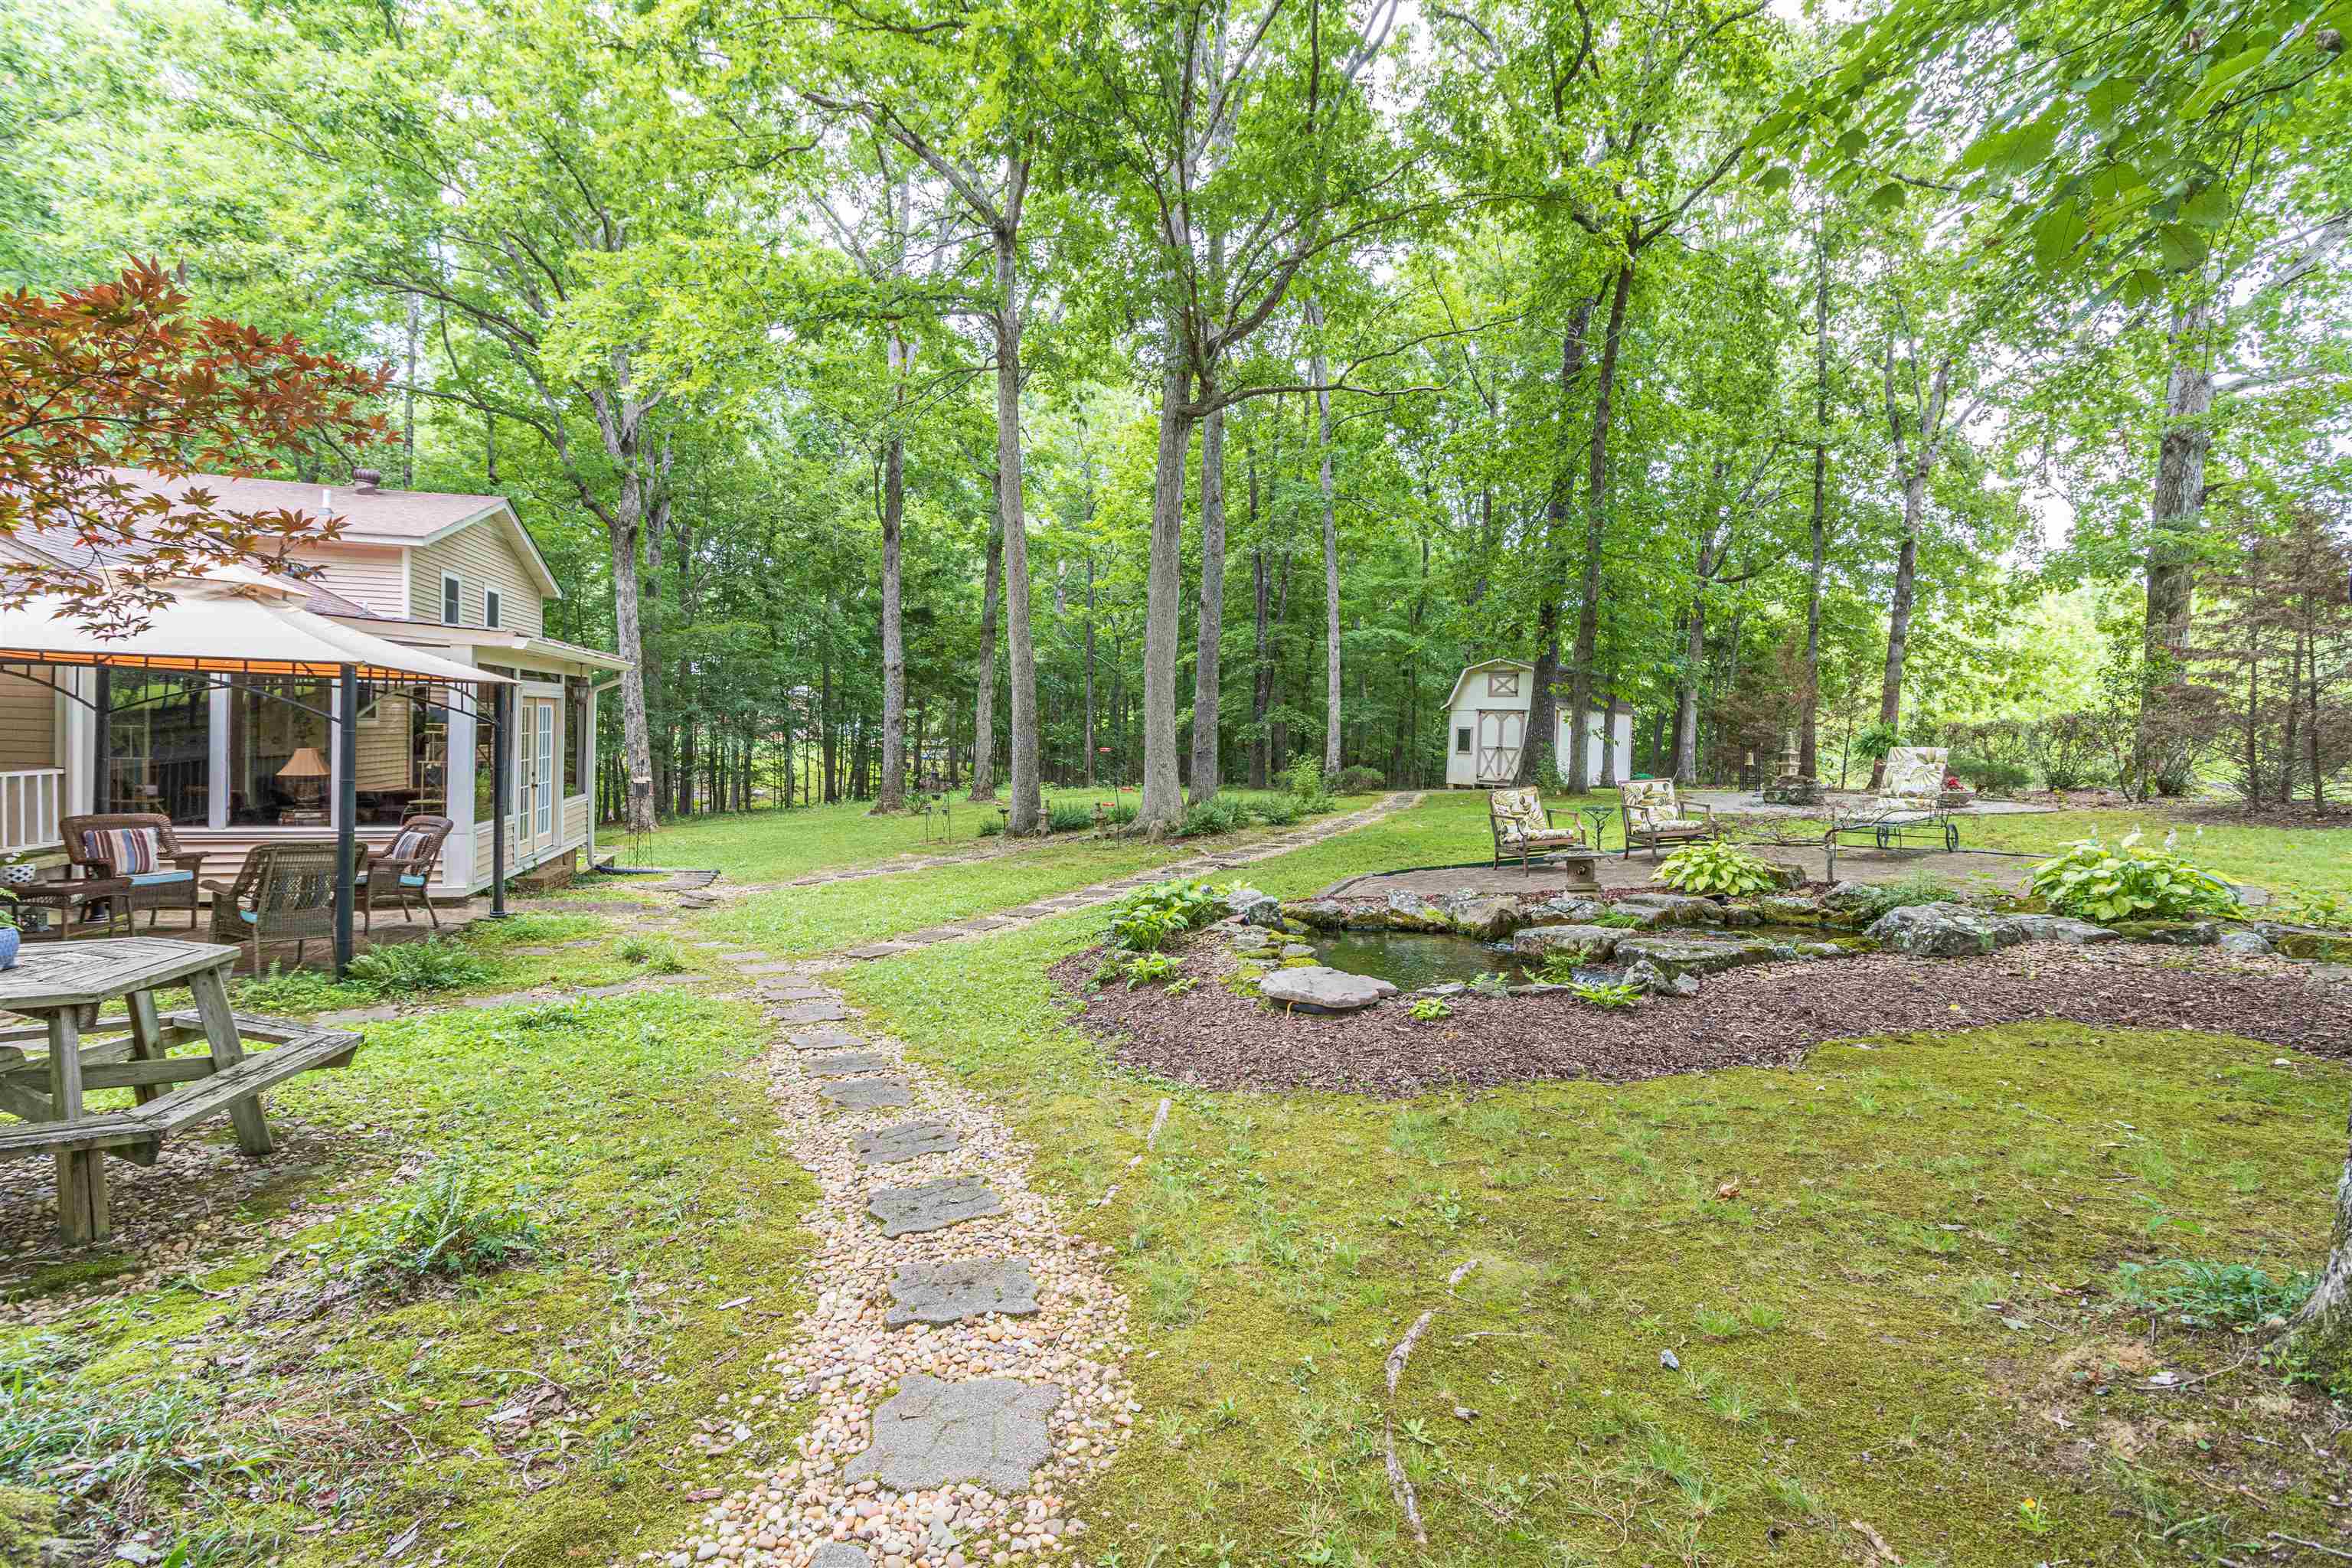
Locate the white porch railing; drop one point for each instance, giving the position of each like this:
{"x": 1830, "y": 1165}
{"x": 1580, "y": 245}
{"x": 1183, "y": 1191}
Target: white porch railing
{"x": 31, "y": 802}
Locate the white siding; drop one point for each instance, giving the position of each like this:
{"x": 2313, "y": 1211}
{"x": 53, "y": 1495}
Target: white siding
{"x": 372, "y": 575}
{"x": 481, "y": 555}
{"x": 28, "y": 717}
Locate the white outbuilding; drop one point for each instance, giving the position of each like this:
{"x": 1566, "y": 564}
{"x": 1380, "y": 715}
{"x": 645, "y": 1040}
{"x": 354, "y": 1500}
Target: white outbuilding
{"x": 1488, "y": 728}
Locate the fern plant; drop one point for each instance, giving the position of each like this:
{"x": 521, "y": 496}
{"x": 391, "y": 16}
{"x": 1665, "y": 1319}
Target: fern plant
{"x": 1715, "y": 866}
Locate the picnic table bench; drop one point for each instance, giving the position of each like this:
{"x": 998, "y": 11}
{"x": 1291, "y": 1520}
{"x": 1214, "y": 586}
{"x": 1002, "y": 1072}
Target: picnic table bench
{"x": 47, "y": 1069}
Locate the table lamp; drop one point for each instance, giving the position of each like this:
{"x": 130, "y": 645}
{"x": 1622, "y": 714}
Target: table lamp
{"x": 308, "y": 770}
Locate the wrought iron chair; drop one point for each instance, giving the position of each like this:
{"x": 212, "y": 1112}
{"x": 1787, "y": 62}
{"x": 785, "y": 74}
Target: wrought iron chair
{"x": 283, "y": 890}
{"x": 137, "y": 848}
{"x": 1656, "y": 816}
{"x": 1524, "y": 830}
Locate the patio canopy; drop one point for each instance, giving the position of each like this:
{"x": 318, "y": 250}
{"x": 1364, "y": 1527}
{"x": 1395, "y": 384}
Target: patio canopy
{"x": 236, "y": 623}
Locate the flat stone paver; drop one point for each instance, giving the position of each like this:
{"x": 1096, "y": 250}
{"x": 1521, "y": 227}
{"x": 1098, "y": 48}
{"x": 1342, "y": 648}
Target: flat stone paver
{"x": 784, "y": 967}
{"x": 826, "y": 1040}
{"x": 907, "y": 1141}
{"x": 934, "y": 1205}
{"x": 849, "y": 1064}
{"x": 868, "y": 1093}
{"x": 968, "y": 1288}
{"x": 878, "y": 950}
{"x": 991, "y": 1430}
{"x": 740, "y": 956}
{"x": 775, "y": 993}
{"x": 841, "y": 1555}
{"x": 812, "y": 1013}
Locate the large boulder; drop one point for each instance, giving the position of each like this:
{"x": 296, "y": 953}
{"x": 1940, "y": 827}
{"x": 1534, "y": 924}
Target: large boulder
{"x": 1848, "y": 895}
{"x": 1943, "y": 930}
{"x": 1565, "y": 908}
{"x": 1318, "y": 914}
{"x": 2060, "y": 928}
{"x": 1411, "y": 912}
{"x": 1315, "y": 988}
{"x": 1669, "y": 910}
{"x": 1587, "y": 945}
{"x": 2246, "y": 944}
{"x": 1644, "y": 975}
{"x": 2171, "y": 933}
{"x": 1790, "y": 909}
{"x": 2306, "y": 941}
{"x": 1252, "y": 907}
{"x": 1486, "y": 918}
{"x": 1683, "y": 955}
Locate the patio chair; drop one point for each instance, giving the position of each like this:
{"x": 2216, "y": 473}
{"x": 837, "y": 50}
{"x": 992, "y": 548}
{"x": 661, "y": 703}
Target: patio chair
{"x": 1910, "y": 795}
{"x": 403, "y": 870}
{"x": 1656, "y": 816}
{"x": 139, "y": 847}
{"x": 1524, "y": 828}
{"x": 282, "y": 890}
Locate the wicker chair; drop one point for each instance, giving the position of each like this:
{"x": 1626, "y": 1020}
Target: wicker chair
{"x": 1656, "y": 816}
{"x": 1524, "y": 830}
{"x": 169, "y": 881}
{"x": 282, "y": 890}
{"x": 402, "y": 872}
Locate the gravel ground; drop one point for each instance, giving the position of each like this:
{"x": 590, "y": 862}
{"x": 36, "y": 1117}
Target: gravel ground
{"x": 1766, "y": 1016}
{"x": 841, "y": 1356}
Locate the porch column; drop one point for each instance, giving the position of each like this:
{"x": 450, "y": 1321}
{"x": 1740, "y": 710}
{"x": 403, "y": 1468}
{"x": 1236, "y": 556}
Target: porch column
{"x": 458, "y": 780}
{"x": 587, "y": 753}
{"x": 347, "y": 809}
{"x": 216, "y": 762}
{"x": 501, "y": 784}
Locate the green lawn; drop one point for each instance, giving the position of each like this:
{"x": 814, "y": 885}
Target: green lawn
{"x": 1905, "y": 1315}
{"x": 281, "y": 1399}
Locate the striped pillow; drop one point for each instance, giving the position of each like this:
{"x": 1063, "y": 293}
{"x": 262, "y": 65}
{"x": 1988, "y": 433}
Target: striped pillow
{"x": 130, "y": 851}
{"x": 409, "y": 845}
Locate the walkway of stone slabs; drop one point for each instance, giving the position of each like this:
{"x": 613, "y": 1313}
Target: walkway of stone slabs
{"x": 943, "y": 1279}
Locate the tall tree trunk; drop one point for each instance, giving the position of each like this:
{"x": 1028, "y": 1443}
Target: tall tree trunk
{"x": 1316, "y": 372}
{"x": 1898, "y": 613}
{"x": 1541, "y": 742}
{"x": 1809, "y": 718}
{"x": 1090, "y": 669}
{"x": 891, "y": 797}
{"x": 2319, "y": 1336}
{"x": 408, "y": 394}
{"x": 1162, "y": 805}
{"x": 983, "y": 701}
{"x": 826, "y": 729}
{"x": 1262, "y": 664}
{"x": 1207, "y": 678}
{"x": 2178, "y": 498}
{"x": 1596, "y": 522}
{"x": 1686, "y": 684}
{"x": 636, "y": 741}
{"x": 1027, "y": 799}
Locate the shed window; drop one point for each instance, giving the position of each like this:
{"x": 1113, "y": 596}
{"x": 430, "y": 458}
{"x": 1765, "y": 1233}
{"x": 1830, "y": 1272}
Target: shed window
{"x": 492, "y": 603}
{"x": 452, "y": 600}
{"x": 1461, "y": 739}
{"x": 1503, "y": 683}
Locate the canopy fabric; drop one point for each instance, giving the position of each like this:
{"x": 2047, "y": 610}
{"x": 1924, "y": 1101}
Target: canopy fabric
{"x": 228, "y": 626}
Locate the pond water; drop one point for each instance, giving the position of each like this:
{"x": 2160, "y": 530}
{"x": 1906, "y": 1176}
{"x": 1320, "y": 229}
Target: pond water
{"x": 1411, "y": 960}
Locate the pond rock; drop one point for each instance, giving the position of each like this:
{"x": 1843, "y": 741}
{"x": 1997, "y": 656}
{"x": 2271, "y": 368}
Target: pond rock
{"x": 2172, "y": 933}
{"x": 1318, "y": 914}
{"x": 1682, "y": 955}
{"x": 1790, "y": 909}
{"x": 2246, "y": 944}
{"x": 1487, "y": 919}
{"x": 1589, "y": 944}
{"x": 1943, "y": 930}
{"x": 1316, "y": 988}
{"x": 1645, "y": 976}
{"x": 1670, "y": 909}
{"x": 2060, "y": 928}
{"x": 1253, "y": 908}
{"x": 1848, "y": 894}
{"x": 1411, "y": 912}
{"x": 1566, "y": 909}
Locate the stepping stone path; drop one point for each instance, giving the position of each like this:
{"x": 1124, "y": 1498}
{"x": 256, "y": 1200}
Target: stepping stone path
{"x": 849, "y": 1064}
{"x": 960, "y": 1360}
{"x": 775, "y": 993}
{"x": 934, "y": 1205}
{"x": 948, "y": 1292}
{"x": 930, "y": 1433}
{"x": 1111, "y": 892}
{"x": 908, "y": 1140}
{"x": 868, "y": 1093}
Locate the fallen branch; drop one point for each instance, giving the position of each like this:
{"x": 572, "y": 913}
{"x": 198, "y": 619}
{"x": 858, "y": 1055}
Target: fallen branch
{"x": 1399, "y": 1483}
{"x": 2311, "y": 1545}
{"x": 1159, "y": 1124}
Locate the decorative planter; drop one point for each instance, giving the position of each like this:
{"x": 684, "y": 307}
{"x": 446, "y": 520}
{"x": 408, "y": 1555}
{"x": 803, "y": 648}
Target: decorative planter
{"x": 19, "y": 875}
{"x": 10, "y": 940}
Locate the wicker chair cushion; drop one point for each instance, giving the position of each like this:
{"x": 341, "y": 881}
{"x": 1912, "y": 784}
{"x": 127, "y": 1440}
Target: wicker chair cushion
{"x": 411, "y": 880}
{"x": 132, "y": 851}
{"x": 156, "y": 879}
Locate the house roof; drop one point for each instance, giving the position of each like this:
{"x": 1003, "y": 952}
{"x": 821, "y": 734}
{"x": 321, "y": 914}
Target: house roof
{"x": 1453, "y": 698}
{"x": 405, "y": 517}
{"x": 493, "y": 637}
{"x": 63, "y": 547}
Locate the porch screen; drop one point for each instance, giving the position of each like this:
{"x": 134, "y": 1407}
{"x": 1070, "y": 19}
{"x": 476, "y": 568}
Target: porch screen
{"x": 159, "y": 745}
{"x": 279, "y": 747}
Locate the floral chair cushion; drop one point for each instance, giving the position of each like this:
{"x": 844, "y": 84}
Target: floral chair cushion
{"x": 1653, "y": 803}
{"x": 1911, "y": 789}
{"x": 1519, "y": 819}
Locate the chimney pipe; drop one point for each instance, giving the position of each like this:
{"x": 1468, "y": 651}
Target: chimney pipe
{"x": 367, "y": 481}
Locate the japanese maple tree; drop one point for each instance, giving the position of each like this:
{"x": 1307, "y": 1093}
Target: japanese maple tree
{"x": 117, "y": 375}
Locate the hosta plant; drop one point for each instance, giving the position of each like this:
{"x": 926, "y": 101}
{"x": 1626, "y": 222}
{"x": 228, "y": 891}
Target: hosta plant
{"x": 1714, "y": 866}
{"x": 2090, "y": 880}
{"x": 1149, "y": 920}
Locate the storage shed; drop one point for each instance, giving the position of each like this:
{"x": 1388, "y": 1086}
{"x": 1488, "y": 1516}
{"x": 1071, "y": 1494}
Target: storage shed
{"x": 1488, "y": 726}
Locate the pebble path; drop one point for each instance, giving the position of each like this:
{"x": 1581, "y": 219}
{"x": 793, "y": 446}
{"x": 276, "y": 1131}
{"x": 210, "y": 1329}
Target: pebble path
{"x": 964, "y": 1352}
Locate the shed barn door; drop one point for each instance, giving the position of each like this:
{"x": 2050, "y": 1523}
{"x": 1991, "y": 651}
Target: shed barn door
{"x": 1500, "y": 735}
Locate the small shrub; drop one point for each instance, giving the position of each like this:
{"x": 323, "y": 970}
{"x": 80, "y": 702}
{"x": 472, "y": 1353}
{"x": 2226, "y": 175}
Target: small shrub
{"x": 1356, "y": 778}
{"x": 2090, "y": 882}
{"x": 1143, "y": 966}
{"x": 1875, "y": 741}
{"x": 1715, "y": 866}
{"x": 1614, "y": 997}
{"x": 1490, "y": 985}
{"x": 1304, "y": 778}
{"x": 1989, "y": 774}
{"x": 990, "y": 827}
{"x": 658, "y": 955}
{"x": 1559, "y": 969}
{"x": 1069, "y": 817}
{"x": 434, "y": 965}
{"x": 2329, "y": 911}
{"x": 1429, "y": 1009}
{"x": 2211, "y": 1295}
{"x": 450, "y": 1227}
{"x": 1149, "y": 919}
{"x": 1276, "y": 810}
{"x": 1120, "y": 813}
{"x": 1218, "y": 814}
{"x": 299, "y": 991}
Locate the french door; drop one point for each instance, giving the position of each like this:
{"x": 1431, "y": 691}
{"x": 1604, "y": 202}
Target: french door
{"x": 534, "y": 820}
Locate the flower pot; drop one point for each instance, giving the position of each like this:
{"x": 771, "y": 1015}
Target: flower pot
{"x": 19, "y": 875}
{"x": 10, "y": 940}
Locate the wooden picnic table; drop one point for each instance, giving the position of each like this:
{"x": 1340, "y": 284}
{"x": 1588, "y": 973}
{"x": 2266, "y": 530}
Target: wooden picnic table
{"x": 46, "y": 1069}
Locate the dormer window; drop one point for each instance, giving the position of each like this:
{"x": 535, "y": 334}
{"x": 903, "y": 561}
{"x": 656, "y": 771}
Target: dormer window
{"x": 452, "y": 600}
{"x": 491, "y": 606}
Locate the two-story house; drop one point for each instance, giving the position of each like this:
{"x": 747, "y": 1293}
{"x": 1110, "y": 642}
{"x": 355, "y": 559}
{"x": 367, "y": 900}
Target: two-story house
{"x": 237, "y": 760}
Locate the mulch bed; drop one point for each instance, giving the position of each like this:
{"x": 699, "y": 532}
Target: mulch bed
{"x": 1766, "y": 1016}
